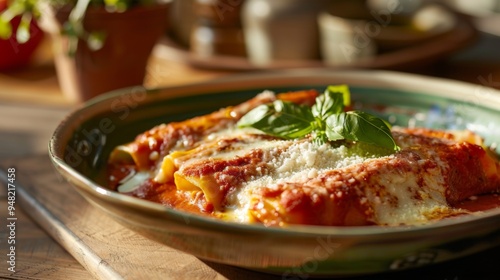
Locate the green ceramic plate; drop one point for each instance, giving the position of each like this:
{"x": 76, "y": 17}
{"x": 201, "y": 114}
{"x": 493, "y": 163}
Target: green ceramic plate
{"x": 81, "y": 144}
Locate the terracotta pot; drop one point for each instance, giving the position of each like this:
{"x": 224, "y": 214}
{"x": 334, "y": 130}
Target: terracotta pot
{"x": 121, "y": 62}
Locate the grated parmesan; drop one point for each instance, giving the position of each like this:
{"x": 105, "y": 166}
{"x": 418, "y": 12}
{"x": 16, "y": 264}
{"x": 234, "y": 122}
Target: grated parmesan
{"x": 296, "y": 162}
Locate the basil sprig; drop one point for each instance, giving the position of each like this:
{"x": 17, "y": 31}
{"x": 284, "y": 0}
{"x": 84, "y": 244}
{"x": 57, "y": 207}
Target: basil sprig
{"x": 325, "y": 121}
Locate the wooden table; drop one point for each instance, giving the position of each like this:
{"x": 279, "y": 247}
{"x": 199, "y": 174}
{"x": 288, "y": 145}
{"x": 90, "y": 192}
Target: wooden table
{"x": 31, "y": 105}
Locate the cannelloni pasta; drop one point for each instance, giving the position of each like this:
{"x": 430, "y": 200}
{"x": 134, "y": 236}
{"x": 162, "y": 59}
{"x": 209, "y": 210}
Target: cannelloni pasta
{"x": 213, "y": 165}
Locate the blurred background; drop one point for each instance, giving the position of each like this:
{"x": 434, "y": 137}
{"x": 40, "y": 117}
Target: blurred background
{"x": 202, "y": 39}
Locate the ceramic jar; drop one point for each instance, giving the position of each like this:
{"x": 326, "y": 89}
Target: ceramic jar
{"x": 217, "y": 29}
{"x": 281, "y": 29}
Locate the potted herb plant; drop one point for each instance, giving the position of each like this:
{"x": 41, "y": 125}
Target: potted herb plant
{"x": 100, "y": 45}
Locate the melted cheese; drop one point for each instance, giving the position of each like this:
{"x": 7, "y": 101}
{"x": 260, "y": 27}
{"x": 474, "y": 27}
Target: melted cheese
{"x": 283, "y": 161}
{"x": 399, "y": 197}
{"x": 243, "y": 175}
{"x": 299, "y": 162}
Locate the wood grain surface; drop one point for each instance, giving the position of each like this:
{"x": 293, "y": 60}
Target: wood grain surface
{"x": 103, "y": 247}
{"x": 37, "y": 255}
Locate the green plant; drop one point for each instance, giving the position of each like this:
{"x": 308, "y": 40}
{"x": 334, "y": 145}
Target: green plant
{"x": 73, "y": 28}
{"x": 27, "y": 10}
{"x": 327, "y": 120}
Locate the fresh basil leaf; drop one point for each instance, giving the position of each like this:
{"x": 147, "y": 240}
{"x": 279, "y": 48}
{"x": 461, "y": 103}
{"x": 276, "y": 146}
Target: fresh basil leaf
{"x": 362, "y": 127}
{"x": 319, "y": 137}
{"x": 281, "y": 119}
{"x": 335, "y": 129}
{"x": 327, "y": 104}
{"x": 342, "y": 89}
{"x": 325, "y": 121}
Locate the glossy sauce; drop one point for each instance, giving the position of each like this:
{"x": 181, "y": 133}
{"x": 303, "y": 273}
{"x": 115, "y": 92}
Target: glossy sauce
{"x": 165, "y": 194}
{"x": 480, "y": 203}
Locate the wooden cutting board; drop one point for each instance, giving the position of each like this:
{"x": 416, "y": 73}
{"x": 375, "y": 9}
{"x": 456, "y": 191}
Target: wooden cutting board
{"x": 110, "y": 251}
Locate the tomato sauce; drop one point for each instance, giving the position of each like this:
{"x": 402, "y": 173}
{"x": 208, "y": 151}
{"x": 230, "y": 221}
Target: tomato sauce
{"x": 480, "y": 203}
